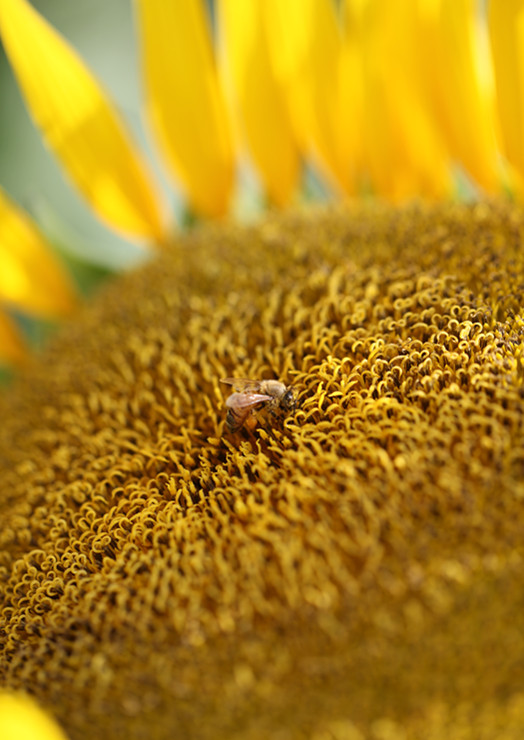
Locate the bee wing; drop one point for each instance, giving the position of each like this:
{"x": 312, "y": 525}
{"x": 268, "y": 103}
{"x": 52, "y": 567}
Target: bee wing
{"x": 242, "y": 385}
{"x": 240, "y": 406}
{"x": 246, "y": 401}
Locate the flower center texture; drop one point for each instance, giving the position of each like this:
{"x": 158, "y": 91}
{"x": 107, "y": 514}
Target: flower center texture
{"x": 350, "y": 569}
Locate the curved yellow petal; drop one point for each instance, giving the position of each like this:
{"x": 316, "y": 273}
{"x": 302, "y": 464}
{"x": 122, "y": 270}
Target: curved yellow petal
{"x": 79, "y": 124}
{"x": 12, "y": 349}
{"x": 22, "y": 719}
{"x": 185, "y": 102}
{"x": 262, "y": 110}
{"x": 351, "y": 115}
{"x": 455, "y": 59}
{"x": 405, "y": 153}
{"x": 506, "y": 25}
{"x": 30, "y": 277}
{"x": 306, "y": 50}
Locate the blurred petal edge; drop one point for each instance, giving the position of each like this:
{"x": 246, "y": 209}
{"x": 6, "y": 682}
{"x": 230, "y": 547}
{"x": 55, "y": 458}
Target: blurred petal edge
{"x": 31, "y": 278}
{"x": 185, "y": 102}
{"x": 259, "y": 98}
{"x": 506, "y": 27}
{"x": 79, "y": 124}
{"x": 12, "y": 351}
{"x": 22, "y": 719}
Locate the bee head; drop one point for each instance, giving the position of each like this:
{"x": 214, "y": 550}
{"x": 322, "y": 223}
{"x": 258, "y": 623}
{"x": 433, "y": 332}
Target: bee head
{"x": 288, "y": 401}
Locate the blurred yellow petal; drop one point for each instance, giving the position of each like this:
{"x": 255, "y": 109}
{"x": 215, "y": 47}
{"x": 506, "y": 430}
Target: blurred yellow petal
{"x": 405, "y": 151}
{"x": 30, "y": 277}
{"x": 185, "y": 101}
{"x": 78, "y": 123}
{"x": 22, "y": 719}
{"x": 262, "y": 108}
{"x": 12, "y": 349}
{"x": 351, "y": 115}
{"x": 455, "y": 56}
{"x": 306, "y": 49}
{"x": 506, "y": 25}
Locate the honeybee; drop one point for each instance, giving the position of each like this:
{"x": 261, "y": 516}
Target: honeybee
{"x": 252, "y": 395}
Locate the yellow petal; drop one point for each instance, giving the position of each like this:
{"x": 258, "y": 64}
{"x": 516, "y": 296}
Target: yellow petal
{"x": 261, "y": 105}
{"x": 22, "y": 719}
{"x": 185, "y": 102}
{"x": 506, "y": 25}
{"x": 455, "y": 57}
{"x": 306, "y": 49}
{"x": 30, "y": 277}
{"x": 352, "y": 94}
{"x": 12, "y": 349}
{"x": 78, "y": 123}
{"x": 405, "y": 152}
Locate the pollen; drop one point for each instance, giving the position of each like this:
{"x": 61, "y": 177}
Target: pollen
{"x": 352, "y": 569}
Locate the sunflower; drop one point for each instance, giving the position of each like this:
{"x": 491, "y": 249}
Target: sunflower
{"x": 331, "y": 572}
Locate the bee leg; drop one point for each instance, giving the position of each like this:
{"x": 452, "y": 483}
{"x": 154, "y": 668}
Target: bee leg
{"x": 251, "y": 421}
{"x": 232, "y": 422}
{"x": 273, "y": 410}
{"x": 275, "y": 414}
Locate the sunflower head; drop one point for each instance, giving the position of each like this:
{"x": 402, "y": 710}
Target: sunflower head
{"x": 327, "y": 573}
